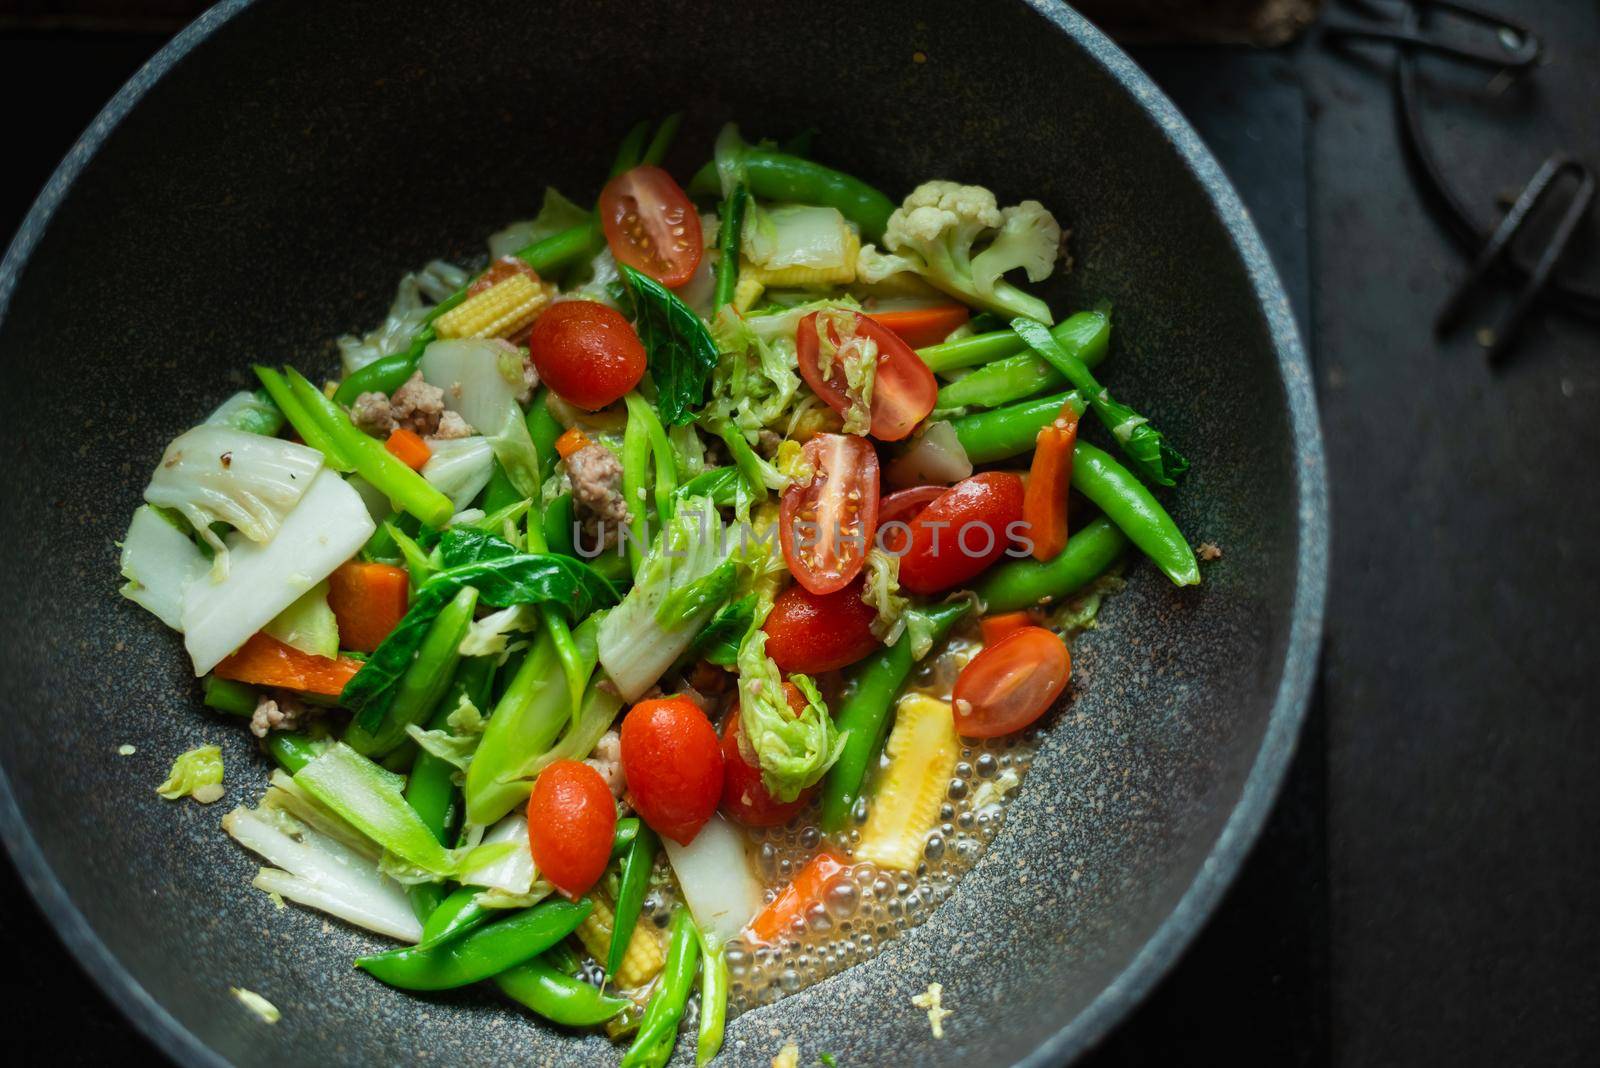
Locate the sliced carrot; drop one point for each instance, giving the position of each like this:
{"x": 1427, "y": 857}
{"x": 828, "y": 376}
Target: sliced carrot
{"x": 408, "y": 448}
{"x": 571, "y": 440}
{"x": 265, "y": 661}
{"x": 369, "y": 601}
{"x": 996, "y": 627}
{"x": 918, "y": 327}
{"x": 1044, "y": 500}
{"x": 809, "y": 887}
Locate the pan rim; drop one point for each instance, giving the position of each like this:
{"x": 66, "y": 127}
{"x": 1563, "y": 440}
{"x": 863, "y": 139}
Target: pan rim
{"x": 1261, "y": 786}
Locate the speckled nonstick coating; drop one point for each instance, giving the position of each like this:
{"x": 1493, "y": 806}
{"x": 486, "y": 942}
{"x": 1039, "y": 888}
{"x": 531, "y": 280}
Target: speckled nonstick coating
{"x": 257, "y": 188}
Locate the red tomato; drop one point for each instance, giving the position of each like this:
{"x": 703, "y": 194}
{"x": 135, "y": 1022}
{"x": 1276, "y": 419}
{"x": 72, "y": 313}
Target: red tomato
{"x": 572, "y": 818}
{"x": 672, "y": 759}
{"x": 903, "y": 393}
{"x": 651, "y": 226}
{"x": 498, "y": 272}
{"x": 962, "y": 532}
{"x": 816, "y": 632}
{"x": 902, "y": 506}
{"x": 1011, "y": 683}
{"x": 744, "y": 796}
{"x": 921, "y": 327}
{"x": 586, "y": 352}
{"x": 827, "y": 525}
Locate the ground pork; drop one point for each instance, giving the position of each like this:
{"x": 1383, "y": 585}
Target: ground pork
{"x": 417, "y": 406}
{"x": 451, "y": 425}
{"x": 279, "y": 712}
{"x": 371, "y": 413}
{"x": 596, "y": 477}
{"x": 607, "y": 760}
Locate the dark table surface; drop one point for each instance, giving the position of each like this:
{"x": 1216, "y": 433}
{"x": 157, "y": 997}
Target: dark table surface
{"x": 1423, "y": 892}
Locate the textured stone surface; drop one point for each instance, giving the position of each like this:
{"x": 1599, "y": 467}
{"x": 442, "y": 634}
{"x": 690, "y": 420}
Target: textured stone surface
{"x": 263, "y": 195}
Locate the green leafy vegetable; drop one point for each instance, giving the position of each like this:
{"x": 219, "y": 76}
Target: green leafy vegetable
{"x": 308, "y": 625}
{"x": 196, "y": 774}
{"x": 718, "y": 641}
{"x": 690, "y": 600}
{"x": 1143, "y": 443}
{"x": 681, "y": 352}
{"x": 370, "y": 800}
{"x": 793, "y": 751}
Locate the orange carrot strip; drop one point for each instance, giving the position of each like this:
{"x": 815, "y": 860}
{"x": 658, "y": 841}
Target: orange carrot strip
{"x": 1044, "y": 500}
{"x": 919, "y": 327}
{"x": 996, "y": 627}
{"x": 408, "y": 448}
{"x": 265, "y": 661}
{"x": 571, "y": 440}
{"x": 369, "y": 601}
{"x": 809, "y": 885}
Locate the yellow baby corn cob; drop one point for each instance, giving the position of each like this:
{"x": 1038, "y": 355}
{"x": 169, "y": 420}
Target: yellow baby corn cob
{"x": 807, "y": 277}
{"x": 922, "y": 751}
{"x": 499, "y": 311}
{"x": 645, "y": 955}
{"x": 747, "y": 290}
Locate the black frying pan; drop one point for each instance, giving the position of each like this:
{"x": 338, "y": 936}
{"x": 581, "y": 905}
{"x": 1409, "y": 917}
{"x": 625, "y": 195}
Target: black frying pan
{"x": 257, "y": 189}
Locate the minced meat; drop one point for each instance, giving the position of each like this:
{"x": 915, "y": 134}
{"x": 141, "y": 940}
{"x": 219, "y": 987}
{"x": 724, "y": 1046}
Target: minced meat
{"x": 596, "y": 477}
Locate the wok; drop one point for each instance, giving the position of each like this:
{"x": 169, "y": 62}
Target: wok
{"x": 257, "y": 188}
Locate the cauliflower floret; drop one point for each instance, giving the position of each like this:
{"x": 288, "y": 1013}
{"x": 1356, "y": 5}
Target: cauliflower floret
{"x": 933, "y": 233}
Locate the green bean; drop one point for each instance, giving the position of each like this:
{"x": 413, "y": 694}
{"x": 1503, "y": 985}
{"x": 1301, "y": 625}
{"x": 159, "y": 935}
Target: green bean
{"x": 544, "y": 430}
{"x": 425, "y": 680}
{"x": 225, "y": 695}
{"x": 971, "y": 351}
{"x": 372, "y": 461}
{"x": 780, "y": 176}
{"x": 713, "y": 1002}
{"x": 1084, "y": 335}
{"x": 310, "y": 429}
{"x": 658, "y": 1030}
{"x": 1010, "y": 431}
{"x": 389, "y": 373}
{"x": 627, "y": 831}
{"x": 558, "y": 997}
{"x": 864, "y": 715}
{"x": 635, "y": 472}
{"x": 291, "y": 749}
{"x": 1018, "y": 584}
{"x": 662, "y": 141}
{"x": 636, "y": 866}
{"x": 456, "y": 915}
{"x": 631, "y": 148}
{"x": 480, "y": 953}
{"x": 1129, "y": 504}
{"x": 728, "y": 235}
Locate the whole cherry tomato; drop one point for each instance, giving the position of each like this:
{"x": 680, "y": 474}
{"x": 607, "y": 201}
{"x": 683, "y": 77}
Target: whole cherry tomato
{"x": 816, "y": 632}
{"x": 963, "y": 531}
{"x": 903, "y": 391}
{"x": 651, "y": 225}
{"x": 826, "y": 525}
{"x": 1010, "y": 683}
{"x": 744, "y": 797}
{"x": 672, "y": 759}
{"x": 572, "y": 819}
{"x": 586, "y": 352}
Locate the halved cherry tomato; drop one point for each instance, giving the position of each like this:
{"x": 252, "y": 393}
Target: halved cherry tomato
{"x": 1011, "y": 684}
{"x": 816, "y": 632}
{"x": 903, "y": 391}
{"x": 827, "y": 525}
{"x": 744, "y": 796}
{"x": 962, "y": 532}
{"x": 920, "y": 327}
{"x": 672, "y": 759}
{"x": 498, "y": 272}
{"x": 586, "y": 352}
{"x": 572, "y": 819}
{"x": 651, "y": 226}
{"x": 997, "y": 628}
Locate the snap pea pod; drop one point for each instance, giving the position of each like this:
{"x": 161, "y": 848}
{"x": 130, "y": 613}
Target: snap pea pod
{"x": 1085, "y": 335}
{"x": 658, "y": 1030}
{"x": 1012, "y": 430}
{"x": 636, "y": 865}
{"x": 713, "y": 1002}
{"x": 455, "y": 915}
{"x": 864, "y": 715}
{"x": 558, "y": 526}
{"x": 225, "y": 695}
{"x": 1018, "y": 584}
{"x": 987, "y": 347}
{"x": 780, "y": 176}
{"x": 627, "y": 831}
{"x": 389, "y": 373}
{"x": 425, "y": 681}
{"x": 561, "y": 957}
{"x": 558, "y": 997}
{"x": 499, "y": 492}
{"x": 480, "y": 953}
{"x": 310, "y": 429}
{"x": 292, "y": 750}
{"x": 373, "y": 462}
{"x": 728, "y": 235}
